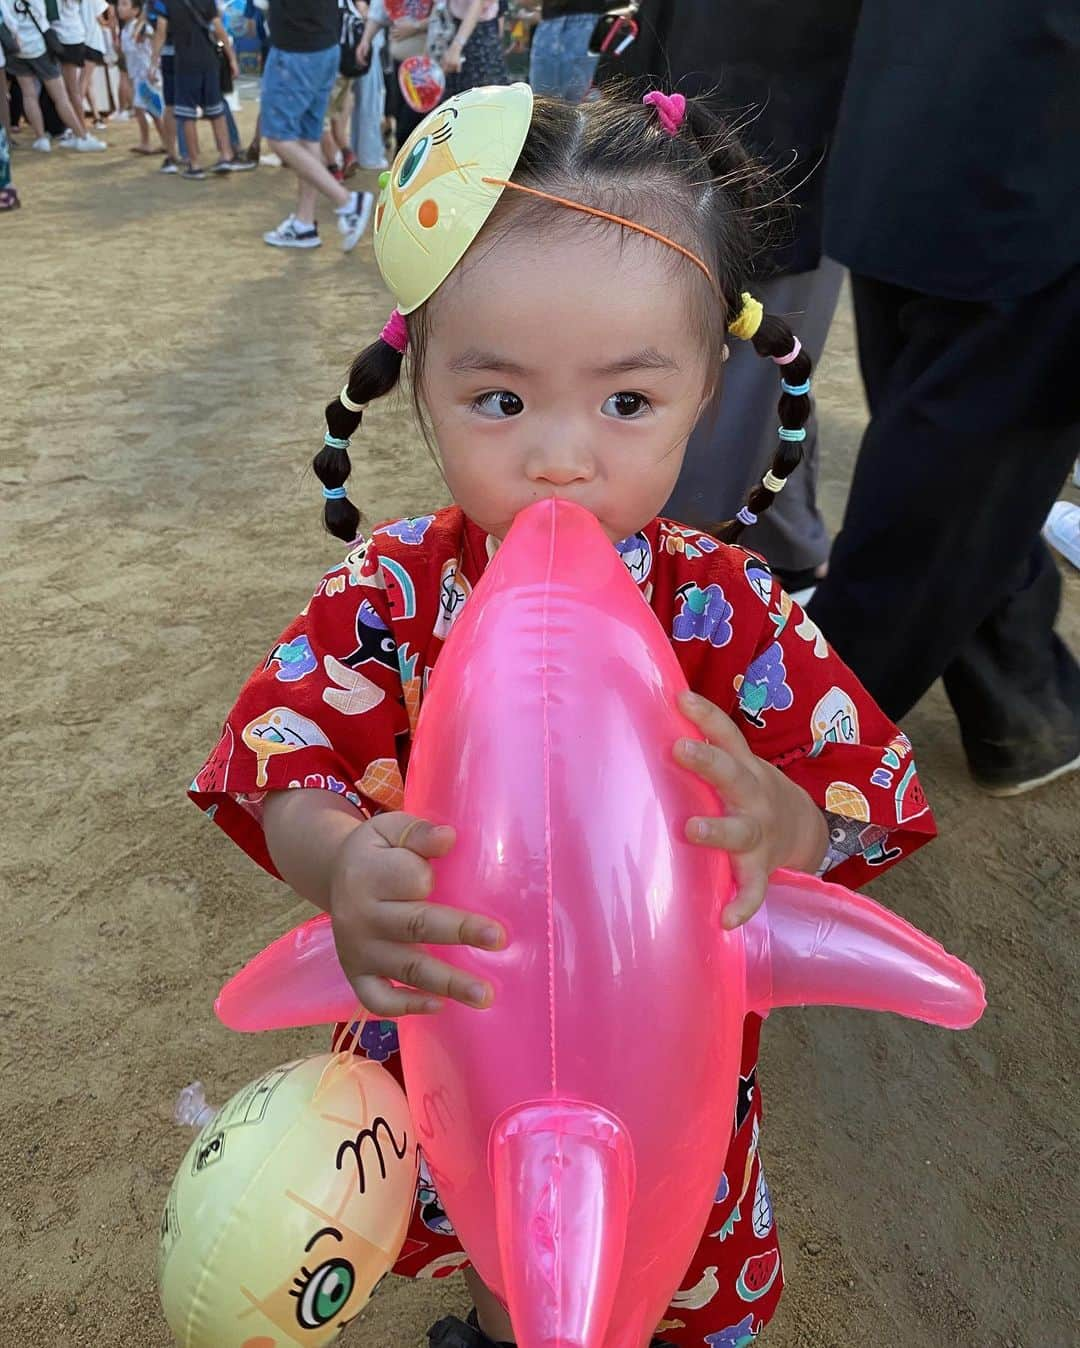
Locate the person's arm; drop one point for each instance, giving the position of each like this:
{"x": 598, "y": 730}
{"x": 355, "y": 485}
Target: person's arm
{"x": 452, "y": 59}
{"x": 161, "y": 33}
{"x": 222, "y": 35}
{"x": 363, "y": 50}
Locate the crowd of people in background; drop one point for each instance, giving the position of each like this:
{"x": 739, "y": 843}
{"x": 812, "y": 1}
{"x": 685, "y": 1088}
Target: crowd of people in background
{"x": 335, "y": 99}
{"x": 72, "y": 67}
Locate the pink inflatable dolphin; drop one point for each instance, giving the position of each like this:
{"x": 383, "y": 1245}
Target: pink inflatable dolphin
{"x": 576, "y": 1156}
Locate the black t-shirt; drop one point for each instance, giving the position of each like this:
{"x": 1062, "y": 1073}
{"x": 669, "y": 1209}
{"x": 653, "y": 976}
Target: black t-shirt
{"x": 304, "y": 25}
{"x": 195, "y": 48}
{"x": 559, "y": 9}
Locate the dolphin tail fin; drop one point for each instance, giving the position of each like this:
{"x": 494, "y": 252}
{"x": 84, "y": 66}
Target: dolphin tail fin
{"x": 563, "y": 1178}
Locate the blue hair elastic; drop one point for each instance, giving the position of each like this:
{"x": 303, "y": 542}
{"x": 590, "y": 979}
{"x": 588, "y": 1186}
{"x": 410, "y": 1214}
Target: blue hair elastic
{"x": 334, "y": 493}
{"x": 786, "y": 433}
{"x": 796, "y": 390}
{"x": 746, "y": 516}
{"x": 332, "y": 442}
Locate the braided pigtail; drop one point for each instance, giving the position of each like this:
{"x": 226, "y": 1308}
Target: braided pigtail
{"x": 374, "y": 373}
{"x": 771, "y": 337}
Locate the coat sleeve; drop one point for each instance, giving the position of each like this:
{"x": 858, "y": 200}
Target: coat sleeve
{"x": 325, "y": 710}
{"x": 803, "y": 710}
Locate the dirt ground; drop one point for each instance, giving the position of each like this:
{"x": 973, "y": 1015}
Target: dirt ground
{"x": 163, "y": 375}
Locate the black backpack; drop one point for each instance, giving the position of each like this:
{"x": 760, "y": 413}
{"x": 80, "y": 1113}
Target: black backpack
{"x": 352, "y": 30}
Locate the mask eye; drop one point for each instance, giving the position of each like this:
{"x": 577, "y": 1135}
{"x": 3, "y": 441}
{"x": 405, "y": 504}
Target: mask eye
{"x": 414, "y": 161}
{"x": 322, "y": 1294}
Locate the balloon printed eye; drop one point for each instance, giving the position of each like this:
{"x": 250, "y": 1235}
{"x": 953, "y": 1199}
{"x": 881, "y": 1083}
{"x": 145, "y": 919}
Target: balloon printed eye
{"x": 323, "y": 1293}
{"x": 415, "y": 161}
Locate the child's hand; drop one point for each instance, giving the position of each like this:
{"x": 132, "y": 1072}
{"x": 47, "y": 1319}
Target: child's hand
{"x": 380, "y": 911}
{"x": 770, "y": 821}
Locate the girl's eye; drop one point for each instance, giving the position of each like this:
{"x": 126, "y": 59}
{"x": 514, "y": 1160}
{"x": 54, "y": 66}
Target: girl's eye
{"x": 498, "y": 405}
{"x": 322, "y": 1294}
{"x": 627, "y": 406}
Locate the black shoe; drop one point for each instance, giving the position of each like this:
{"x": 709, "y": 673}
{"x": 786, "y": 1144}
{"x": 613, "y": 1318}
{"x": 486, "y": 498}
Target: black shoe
{"x": 455, "y": 1333}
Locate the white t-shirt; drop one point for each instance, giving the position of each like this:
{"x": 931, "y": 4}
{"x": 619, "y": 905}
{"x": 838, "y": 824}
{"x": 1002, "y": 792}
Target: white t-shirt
{"x": 136, "y": 52}
{"x": 31, "y": 43}
{"x": 68, "y": 25}
{"x": 95, "y": 35}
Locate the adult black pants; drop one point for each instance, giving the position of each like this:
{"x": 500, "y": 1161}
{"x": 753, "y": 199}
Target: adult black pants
{"x": 939, "y": 569}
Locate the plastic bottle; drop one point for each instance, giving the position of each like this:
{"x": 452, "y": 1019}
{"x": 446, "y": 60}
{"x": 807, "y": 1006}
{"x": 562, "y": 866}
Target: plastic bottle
{"x": 191, "y": 1107}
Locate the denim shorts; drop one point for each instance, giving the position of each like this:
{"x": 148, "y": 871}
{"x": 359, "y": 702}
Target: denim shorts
{"x": 560, "y": 65}
{"x": 296, "y": 88}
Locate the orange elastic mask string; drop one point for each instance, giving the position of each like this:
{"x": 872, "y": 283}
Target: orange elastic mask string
{"x": 606, "y": 215}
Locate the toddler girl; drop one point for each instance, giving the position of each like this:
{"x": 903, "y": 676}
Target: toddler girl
{"x": 628, "y": 232}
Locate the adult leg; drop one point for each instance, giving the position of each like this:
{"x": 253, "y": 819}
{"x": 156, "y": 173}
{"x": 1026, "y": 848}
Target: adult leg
{"x": 70, "y": 75}
{"x": 304, "y": 157}
{"x": 28, "y": 87}
{"x": 974, "y": 425}
{"x": 735, "y": 440}
{"x": 63, "y": 106}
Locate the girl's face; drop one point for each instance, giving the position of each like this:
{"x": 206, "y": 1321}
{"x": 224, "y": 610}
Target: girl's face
{"x": 126, "y": 10}
{"x": 566, "y": 368}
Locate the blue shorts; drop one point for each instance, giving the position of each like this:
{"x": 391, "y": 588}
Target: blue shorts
{"x": 560, "y": 65}
{"x": 168, "y": 80}
{"x": 197, "y": 89}
{"x": 296, "y": 89}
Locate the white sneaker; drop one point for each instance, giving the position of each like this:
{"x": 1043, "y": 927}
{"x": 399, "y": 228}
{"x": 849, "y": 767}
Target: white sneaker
{"x": 67, "y": 140}
{"x": 292, "y": 234}
{"x": 43, "y": 143}
{"x": 269, "y": 160}
{"x": 352, "y": 219}
{"x": 1062, "y": 530}
{"x": 123, "y": 116}
{"x": 89, "y": 142}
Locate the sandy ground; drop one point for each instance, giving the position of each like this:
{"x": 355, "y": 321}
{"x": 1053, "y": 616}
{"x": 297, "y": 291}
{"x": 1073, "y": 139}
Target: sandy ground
{"x": 163, "y": 376}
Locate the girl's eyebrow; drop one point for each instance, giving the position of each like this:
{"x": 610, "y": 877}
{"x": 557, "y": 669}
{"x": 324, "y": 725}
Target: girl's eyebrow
{"x": 473, "y": 360}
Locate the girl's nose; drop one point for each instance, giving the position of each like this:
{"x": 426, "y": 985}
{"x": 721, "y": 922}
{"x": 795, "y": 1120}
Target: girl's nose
{"x": 559, "y": 464}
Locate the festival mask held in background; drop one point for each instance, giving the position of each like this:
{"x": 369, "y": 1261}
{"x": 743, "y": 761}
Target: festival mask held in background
{"x": 574, "y": 1153}
{"x": 290, "y": 1205}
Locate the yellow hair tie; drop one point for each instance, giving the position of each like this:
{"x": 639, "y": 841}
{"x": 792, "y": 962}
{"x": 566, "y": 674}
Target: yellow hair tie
{"x": 749, "y": 320}
{"x": 347, "y": 402}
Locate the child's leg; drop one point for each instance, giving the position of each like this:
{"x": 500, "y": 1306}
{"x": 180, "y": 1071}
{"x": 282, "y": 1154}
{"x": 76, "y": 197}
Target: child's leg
{"x": 144, "y": 129}
{"x": 221, "y": 136}
{"x": 234, "y": 133}
{"x": 187, "y": 129}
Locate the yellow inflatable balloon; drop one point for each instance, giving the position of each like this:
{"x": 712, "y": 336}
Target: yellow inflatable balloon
{"x": 289, "y": 1207}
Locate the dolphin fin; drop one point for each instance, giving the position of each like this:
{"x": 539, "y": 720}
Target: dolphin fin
{"x": 816, "y": 944}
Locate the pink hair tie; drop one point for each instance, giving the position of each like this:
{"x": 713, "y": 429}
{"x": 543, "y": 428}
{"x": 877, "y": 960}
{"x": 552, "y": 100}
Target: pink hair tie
{"x": 396, "y": 334}
{"x": 786, "y": 360}
{"x": 670, "y": 108}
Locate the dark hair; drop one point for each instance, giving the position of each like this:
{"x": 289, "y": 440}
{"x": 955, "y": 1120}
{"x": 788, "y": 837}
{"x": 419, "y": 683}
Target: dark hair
{"x": 699, "y": 187}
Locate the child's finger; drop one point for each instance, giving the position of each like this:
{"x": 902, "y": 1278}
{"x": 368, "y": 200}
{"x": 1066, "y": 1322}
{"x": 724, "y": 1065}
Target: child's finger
{"x": 717, "y": 727}
{"x": 752, "y": 881}
{"x": 407, "y": 832}
{"x": 732, "y": 833}
{"x": 716, "y": 766}
{"x": 423, "y": 923}
{"x": 381, "y": 998}
{"x": 413, "y": 966}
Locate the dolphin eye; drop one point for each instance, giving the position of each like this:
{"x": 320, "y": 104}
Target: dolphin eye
{"x": 414, "y": 161}
{"x": 322, "y": 1294}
